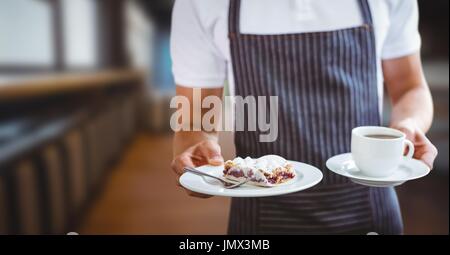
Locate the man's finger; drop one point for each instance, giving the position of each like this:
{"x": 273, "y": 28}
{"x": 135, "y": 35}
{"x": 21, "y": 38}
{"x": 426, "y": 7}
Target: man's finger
{"x": 180, "y": 162}
{"x": 211, "y": 151}
{"x": 177, "y": 182}
{"x": 409, "y": 133}
{"x": 195, "y": 194}
{"x": 428, "y": 158}
{"x": 191, "y": 193}
{"x": 429, "y": 151}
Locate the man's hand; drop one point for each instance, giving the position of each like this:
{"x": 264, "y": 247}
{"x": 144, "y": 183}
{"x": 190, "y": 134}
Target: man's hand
{"x": 423, "y": 148}
{"x": 412, "y": 104}
{"x": 202, "y": 153}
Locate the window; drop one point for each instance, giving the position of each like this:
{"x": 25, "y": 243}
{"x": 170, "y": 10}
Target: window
{"x": 79, "y": 26}
{"x": 26, "y": 38}
{"x": 47, "y": 35}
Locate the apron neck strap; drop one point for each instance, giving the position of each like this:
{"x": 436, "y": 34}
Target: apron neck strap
{"x": 234, "y": 18}
{"x": 234, "y": 14}
{"x": 365, "y": 12}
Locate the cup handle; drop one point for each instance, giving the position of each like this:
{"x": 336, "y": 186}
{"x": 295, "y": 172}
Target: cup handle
{"x": 410, "y": 146}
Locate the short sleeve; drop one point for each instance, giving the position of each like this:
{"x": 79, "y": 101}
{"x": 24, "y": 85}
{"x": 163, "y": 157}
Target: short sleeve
{"x": 403, "y": 36}
{"x": 196, "y": 61}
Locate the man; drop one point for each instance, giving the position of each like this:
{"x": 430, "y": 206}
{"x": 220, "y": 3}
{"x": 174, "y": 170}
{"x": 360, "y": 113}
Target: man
{"x": 327, "y": 61}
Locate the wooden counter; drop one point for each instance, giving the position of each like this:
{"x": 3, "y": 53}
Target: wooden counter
{"x": 35, "y": 86}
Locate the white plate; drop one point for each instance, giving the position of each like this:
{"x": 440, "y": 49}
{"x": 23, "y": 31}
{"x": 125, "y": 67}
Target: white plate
{"x": 306, "y": 177}
{"x": 376, "y": 184}
{"x": 409, "y": 169}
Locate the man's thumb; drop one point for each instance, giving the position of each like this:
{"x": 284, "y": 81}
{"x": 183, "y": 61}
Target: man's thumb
{"x": 410, "y": 135}
{"x": 211, "y": 151}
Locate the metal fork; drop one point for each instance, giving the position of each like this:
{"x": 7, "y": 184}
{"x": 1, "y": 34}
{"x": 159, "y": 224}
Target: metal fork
{"x": 226, "y": 184}
{"x": 236, "y": 185}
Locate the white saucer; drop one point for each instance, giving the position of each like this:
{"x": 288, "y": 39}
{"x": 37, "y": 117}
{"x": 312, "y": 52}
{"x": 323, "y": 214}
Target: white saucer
{"x": 409, "y": 169}
{"x": 376, "y": 184}
{"x": 306, "y": 177}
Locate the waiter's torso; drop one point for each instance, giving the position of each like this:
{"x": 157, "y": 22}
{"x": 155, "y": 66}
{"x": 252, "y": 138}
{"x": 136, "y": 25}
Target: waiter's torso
{"x": 326, "y": 83}
{"x": 208, "y": 31}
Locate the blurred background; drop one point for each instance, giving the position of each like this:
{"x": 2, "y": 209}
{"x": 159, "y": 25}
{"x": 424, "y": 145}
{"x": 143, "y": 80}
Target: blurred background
{"x": 85, "y": 143}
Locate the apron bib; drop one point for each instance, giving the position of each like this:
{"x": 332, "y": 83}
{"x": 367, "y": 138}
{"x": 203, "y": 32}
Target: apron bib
{"x": 326, "y": 84}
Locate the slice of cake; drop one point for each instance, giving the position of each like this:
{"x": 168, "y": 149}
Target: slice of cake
{"x": 266, "y": 171}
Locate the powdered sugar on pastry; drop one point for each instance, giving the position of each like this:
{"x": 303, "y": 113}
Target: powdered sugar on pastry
{"x": 266, "y": 171}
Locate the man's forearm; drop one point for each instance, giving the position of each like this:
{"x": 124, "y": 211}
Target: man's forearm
{"x": 409, "y": 92}
{"x": 185, "y": 139}
{"x": 415, "y": 105}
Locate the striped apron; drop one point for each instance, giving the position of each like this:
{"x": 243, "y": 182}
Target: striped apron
{"x": 326, "y": 84}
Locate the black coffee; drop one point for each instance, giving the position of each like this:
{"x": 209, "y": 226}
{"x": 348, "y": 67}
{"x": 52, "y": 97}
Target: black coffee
{"x": 382, "y": 136}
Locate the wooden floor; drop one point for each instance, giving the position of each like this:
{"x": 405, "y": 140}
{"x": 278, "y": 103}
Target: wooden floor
{"x": 140, "y": 197}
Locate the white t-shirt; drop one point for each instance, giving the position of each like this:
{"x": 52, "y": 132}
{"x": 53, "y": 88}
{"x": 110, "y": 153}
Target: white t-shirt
{"x": 199, "y": 38}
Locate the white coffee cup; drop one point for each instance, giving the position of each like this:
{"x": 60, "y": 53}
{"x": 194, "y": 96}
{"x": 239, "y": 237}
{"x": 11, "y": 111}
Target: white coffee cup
{"x": 378, "y": 151}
